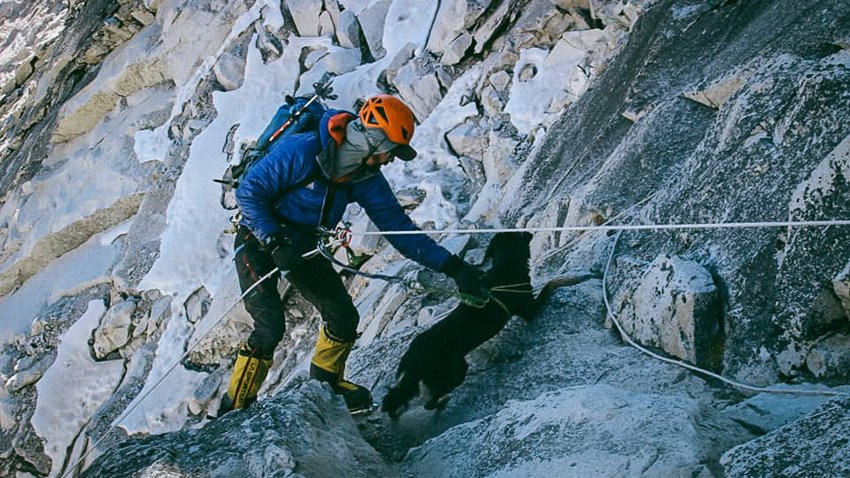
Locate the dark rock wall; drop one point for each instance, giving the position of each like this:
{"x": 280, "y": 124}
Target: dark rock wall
{"x": 742, "y": 160}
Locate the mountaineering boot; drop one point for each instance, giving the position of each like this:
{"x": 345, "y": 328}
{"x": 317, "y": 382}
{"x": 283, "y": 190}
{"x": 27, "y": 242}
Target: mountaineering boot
{"x": 328, "y": 365}
{"x": 249, "y": 371}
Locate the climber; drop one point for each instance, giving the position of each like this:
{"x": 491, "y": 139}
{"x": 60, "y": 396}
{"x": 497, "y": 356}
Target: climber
{"x": 306, "y": 180}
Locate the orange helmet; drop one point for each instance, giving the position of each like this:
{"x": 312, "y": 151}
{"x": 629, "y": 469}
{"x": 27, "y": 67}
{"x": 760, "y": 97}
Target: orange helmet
{"x": 391, "y": 115}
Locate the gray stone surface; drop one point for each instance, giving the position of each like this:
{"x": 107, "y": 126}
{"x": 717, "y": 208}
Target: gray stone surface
{"x": 114, "y": 330}
{"x": 717, "y": 111}
{"x": 230, "y": 71}
{"x": 453, "y": 18}
{"x": 371, "y": 22}
{"x": 686, "y": 163}
{"x": 306, "y": 14}
{"x": 815, "y": 445}
{"x": 675, "y": 307}
{"x": 307, "y": 431}
{"x": 828, "y": 358}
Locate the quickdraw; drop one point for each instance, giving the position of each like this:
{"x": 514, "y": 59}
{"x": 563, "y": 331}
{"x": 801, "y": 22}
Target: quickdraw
{"x": 340, "y": 236}
{"x": 332, "y": 239}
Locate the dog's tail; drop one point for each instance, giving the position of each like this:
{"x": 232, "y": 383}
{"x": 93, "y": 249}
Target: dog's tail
{"x": 399, "y": 395}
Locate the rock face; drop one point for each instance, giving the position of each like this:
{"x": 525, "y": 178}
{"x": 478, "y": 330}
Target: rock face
{"x": 308, "y": 432}
{"x": 590, "y": 431}
{"x": 749, "y": 157}
{"x": 120, "y": 312}
{"x": 676, "y": 307}
{"x": 818, "y": 441}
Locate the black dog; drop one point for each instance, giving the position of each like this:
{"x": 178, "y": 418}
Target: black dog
{"x": 436, "y": 357}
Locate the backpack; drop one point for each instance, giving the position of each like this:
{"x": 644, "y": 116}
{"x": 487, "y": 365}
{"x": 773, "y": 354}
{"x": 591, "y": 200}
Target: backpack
{"x": 296, "y": 115}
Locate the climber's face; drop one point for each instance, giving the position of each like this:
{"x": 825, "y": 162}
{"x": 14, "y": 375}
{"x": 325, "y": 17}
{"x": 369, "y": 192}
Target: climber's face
{"x": 379, "y": 159}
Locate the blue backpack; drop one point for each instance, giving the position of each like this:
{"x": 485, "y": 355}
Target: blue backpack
{"x": 296, "y": 115}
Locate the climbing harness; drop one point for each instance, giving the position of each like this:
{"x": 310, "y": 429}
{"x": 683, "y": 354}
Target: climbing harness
{"x": 341, "y": 237}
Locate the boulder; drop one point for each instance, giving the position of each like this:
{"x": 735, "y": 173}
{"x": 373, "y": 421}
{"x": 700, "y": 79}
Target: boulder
{"x": 420, "y": 87}
{"x": 192, "y": 32}
{"x": 333, "y": 13}
{"x": 143, "y": 16}
{"x": 291, "y": 433}
{"x": 114, "y": 330}
{"x": 486, "y": 31}
{"x": 456, "y": 50}
{"x": 307, "y": 16}
{"x": 592, "y": 430}
{"x": 498, "y": 157}
{"x": 542, "y": 24}
{"x": 468, "y": 139}
{"x": 675, "y": 307}
{"x": 818, "y": 441}
{"x": 492, "y": 102}
{"x": 372, "y": 24}
{"x": 229, "y": 71}
{"x": 326, "y": 25}
{"x": 348, "y": 30}
{"x": 500, "y": 81}
{"x": 27, "y": 373}
{"x": 610, "y": 13}
{"x": 453, "y": 18}
{"x": 830, "y": 358}
{"x": 404, "y": 54}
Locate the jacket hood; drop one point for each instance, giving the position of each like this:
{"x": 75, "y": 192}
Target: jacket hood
{"x": 345, "y": 147}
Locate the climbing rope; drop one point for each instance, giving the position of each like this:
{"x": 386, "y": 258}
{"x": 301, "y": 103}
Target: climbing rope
{"x": 686, "y": 365}
{"x": 171, "y": 368}
{"x": 625, "y": 227}
{"x": 341, "y": 237}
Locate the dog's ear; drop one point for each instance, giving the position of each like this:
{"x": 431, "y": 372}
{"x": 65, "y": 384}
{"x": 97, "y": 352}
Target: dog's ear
{"x": 490, "y": 248}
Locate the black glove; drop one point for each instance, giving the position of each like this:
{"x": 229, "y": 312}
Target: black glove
{"x": 468, "y": 280}
{"x": 285, "y": 253}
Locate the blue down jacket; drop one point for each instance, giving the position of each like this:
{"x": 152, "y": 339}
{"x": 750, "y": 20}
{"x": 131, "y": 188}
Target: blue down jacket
{"x": 268, "y": 195}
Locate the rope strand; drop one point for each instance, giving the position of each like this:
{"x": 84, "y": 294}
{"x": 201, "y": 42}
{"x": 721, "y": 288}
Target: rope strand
{"x": 627, "y": 227}
{"x": 686, "y": 365}
{"x": 72, "y": 467}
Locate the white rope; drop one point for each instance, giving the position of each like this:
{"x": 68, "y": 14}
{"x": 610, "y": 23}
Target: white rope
{"x": 189, "y": 350}
{"x": 686, "y": 365}
{"x": 731, "y": 225}
{"x": 633, "y": 227}
{"x": 560, "y": 249}
{"x": 168, "y": 371}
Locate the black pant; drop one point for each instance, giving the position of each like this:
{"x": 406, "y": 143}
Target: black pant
{"x": 314, "y": 278}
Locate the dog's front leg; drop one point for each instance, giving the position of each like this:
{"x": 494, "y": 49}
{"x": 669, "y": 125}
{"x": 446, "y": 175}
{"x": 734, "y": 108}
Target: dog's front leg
{"x": 550, "y": 287}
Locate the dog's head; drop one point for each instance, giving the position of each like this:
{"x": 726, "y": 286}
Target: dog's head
{"x": 508, "y": 278}
{"x": 510, "y": 253}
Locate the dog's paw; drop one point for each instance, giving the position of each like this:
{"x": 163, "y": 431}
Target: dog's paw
{"x": 393, "y": 411}
{"x": 438, "y": 403}
{"x": 394, "y": 404}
